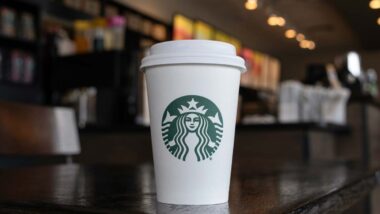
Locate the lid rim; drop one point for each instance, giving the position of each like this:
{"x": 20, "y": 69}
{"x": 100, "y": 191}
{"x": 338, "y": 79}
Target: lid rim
{"x": 236, "y": 61}
{"x": 242, "y": 70}
{"x": 193, "y": 52}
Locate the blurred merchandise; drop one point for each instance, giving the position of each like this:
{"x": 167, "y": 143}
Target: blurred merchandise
{"x": 302, "y": 103}
{"x": 159, "y": 32}
{"x": 263, "y": 71}
{"x": 17, "y": 24}
{"x": 82, "y": 36}
{"x": 8, "y": 21}
{"x": 29, "y": 66}
{"x": 116, "y": 25}
{"x": 27, "y": 27}
{"x": 16, "y": 66}
{"x": 84, "y": 102}
{"x": 289, "y": 102}
{"x": 371, "y": 83}
{"x": 97, "y": 35}
{"x": 22, "y": 67}
{"x": 65, "y": 46}
{"x": 182, "y": 27}
{"x": 312, "y": 98}
{"x": 99, "y": 26}
{"x": 203, "y": 31}
{"x": 334, "y": 106}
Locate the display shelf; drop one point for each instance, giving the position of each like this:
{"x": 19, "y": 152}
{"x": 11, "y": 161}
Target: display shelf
{"x": 14, "y": 42}
{"x": 23, "y": 5}
{"x": 97, "y": 69}
{"x": 61, "y": 11}
{"x": 133, "y": 33}
{"x": 21, "y": 93}
{"x": 21, "y": 85}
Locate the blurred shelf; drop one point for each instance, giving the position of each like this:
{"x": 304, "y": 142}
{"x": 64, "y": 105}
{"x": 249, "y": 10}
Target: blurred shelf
{"x": 251, "y": 94}
{"x": 97, "y": 69}
{"x": 17, "y": 43}
{"x": 21, "y": 93}
{"x": 61, "y": 11}
{"x": 91, "y": 129}
{"x": 332, "y": 128}
{"x": 9, "y": 84}
{"x": 24, "y": 5}
{"x": 133, "y": 33}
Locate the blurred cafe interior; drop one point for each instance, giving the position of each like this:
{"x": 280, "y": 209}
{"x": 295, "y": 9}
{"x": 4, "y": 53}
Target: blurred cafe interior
{"x": 74, "y": 118}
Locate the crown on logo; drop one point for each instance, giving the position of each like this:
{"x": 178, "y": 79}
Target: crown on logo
{"x": 192, "y": 108}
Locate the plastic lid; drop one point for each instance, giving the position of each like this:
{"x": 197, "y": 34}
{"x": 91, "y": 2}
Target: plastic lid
{"x": 193, "y": 52}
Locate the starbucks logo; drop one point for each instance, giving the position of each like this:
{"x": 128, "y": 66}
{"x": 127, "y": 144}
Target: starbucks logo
{"x": 192, "y": 128}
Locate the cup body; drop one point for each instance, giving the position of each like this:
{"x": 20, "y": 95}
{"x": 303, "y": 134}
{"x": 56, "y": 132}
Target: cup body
{"x": 193, "y": 115}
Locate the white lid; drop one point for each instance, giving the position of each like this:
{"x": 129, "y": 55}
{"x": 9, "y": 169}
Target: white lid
{"x": 194, "y": 52}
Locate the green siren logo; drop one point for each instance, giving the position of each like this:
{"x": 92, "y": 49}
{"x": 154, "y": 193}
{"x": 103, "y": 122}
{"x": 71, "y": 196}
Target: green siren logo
{"x": 192, "y": 128}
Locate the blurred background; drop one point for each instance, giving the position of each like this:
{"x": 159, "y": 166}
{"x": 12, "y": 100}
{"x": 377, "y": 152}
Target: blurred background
{"x": 71, "y": 89}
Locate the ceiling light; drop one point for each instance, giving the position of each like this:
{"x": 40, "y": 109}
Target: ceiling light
{"x": 281, "y": 21}
{"x": 290, "y": 34}
{"x": 307, "y": 44}
{"x": 251, "y": 4}
{"x": 304, "y": 43}
{"x": 374, "y": 4}
{"x": 311, "y": 45}
{"x": 272, "y": 20}
{"x": 300, "y": 37}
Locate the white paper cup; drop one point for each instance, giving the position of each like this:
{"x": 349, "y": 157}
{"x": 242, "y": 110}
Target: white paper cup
{"x": 193, "y": 90}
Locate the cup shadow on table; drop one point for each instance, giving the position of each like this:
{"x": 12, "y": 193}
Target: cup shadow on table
{"x": 162, "y": 208}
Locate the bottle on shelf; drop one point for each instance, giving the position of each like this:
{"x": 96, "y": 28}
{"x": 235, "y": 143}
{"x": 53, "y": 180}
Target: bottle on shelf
{"x": 116, "y": 25}
{"x": 82, "y": 36}
{"x": 99, "y": 26}
{"x": 27, "y": 27}
{"x": 8, "y": 21}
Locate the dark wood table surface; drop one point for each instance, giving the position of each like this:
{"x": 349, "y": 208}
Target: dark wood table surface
{"x": 257, "y": 186}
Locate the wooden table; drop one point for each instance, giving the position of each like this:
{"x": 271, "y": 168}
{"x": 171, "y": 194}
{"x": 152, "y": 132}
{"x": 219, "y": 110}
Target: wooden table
{"x": 257, "y": 186}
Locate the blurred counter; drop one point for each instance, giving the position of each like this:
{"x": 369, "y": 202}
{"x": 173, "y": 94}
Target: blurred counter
{"x": 257, "y": 186}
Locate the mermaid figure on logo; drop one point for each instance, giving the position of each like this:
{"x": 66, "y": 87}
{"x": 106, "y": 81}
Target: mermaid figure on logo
{"x": 193, "y": 121}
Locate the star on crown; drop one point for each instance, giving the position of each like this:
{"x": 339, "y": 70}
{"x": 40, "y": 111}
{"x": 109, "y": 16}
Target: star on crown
{"x": 192, "y": 108}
